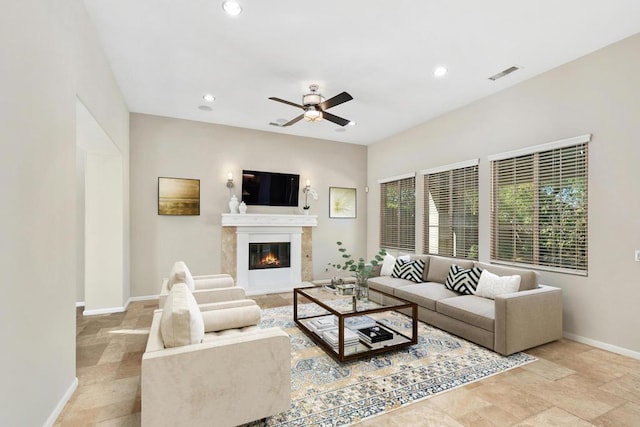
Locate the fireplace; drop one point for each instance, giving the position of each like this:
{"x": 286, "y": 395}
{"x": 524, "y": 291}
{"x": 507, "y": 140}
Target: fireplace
{"x": 247, "y": 236}
{"x": 269, "y": 255}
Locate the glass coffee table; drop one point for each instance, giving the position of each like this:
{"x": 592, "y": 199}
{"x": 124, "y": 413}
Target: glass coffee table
{"x": 348, "y": 328}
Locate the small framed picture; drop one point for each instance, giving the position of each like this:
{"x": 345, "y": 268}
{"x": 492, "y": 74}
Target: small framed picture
{"x": 178, "y": 196}
{"x": 342, "y": 202}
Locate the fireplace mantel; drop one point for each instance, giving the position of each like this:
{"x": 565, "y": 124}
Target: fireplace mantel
{"x": 268, "y": 220}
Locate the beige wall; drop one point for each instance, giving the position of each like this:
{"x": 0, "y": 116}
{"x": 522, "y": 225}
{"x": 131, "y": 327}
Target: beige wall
{"x": 597, "y": 94}
{"x": 185, "y": 149}
{"x": 50, "y": 54}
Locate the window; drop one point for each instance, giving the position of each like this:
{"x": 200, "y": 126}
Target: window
{"x": 398, "y": 213}
{"x": 539, "y": 206}
{"x": 451, "y": 210}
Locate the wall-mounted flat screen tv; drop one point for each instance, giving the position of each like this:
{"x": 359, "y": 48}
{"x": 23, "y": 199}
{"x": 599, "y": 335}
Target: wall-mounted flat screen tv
{"x": 270, "y": 188}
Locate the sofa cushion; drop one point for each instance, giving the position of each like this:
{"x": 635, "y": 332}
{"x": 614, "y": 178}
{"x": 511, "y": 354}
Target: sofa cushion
{"x": 410, "y": 270}
{"x": 387, "y": 284}
{"x": 492, "y": 285}
{"x": 214, "y": 282}
{"x": 463, "y": 280}
{"x": 528, "y": 278}
{"x": 181, "y": 274}
{"x": 439, "y": 267}
{"x": 231, "y": 316}
{"x": 469, "y": 309}
{"x": 425, "y": 294}
{"x": 387, "y": 265}
{"x": 181, "y": 322}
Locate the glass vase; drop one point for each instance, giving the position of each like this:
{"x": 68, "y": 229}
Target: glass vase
{"x": 363, "y": 290}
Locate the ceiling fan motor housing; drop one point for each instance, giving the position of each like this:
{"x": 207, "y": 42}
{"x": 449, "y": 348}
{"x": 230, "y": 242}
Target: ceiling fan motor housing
{"x": 312, "y": 98}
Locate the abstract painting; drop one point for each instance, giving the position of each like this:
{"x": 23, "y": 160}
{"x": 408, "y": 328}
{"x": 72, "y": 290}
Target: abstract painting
{"x": 178, "y": 196}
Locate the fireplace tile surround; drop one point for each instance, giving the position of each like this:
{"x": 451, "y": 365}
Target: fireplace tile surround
{"x": 238, "y": 230}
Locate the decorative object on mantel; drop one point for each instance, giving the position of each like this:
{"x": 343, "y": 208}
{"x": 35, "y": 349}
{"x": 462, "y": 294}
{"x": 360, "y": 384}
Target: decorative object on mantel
{"x": 342, "y": 202}
{"x": 361, "y": 270}
{"x": 242, "y": 208}
{"x": 307, "y": 190}
{"x": 233, "y": 204}
{"x": 178, "y": 196}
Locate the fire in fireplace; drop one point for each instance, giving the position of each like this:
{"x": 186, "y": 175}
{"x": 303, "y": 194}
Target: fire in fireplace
{"x": 269, "y": 255}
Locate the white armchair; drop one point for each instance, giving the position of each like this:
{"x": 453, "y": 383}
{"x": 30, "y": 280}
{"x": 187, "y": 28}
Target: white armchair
{"x": 191, "y": 376}
{"x": 200, "y": 286}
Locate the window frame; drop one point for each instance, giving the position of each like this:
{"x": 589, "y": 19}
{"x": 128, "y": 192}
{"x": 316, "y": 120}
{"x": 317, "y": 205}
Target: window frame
{"x": 453, "y": 205}
{"x": 532, "y": 174}
{"x": 392, "y": 240}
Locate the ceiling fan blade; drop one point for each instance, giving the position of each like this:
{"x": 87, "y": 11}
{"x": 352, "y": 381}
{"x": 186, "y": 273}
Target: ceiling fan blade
{"x": 336, "y": 100}
{"x": 335, "y": 119}
{"x": 286, "y": 102}
{"x": 293, "y": 121}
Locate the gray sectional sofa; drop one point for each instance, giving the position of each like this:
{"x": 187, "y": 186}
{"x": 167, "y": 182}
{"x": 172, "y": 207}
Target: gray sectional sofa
{"x": 507, "y": 324}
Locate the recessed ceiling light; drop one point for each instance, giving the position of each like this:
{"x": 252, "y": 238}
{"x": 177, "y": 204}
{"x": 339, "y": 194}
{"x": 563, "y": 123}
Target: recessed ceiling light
{"x": 208, "y": 97}
{"x": 352, "y": 123}
{"x": 440, "y": 71}
{"x": 232, "y": 7}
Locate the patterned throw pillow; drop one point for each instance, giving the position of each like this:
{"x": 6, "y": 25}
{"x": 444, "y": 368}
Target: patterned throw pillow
{"x": 463, "y": 280}
{"x": 410, "y": 270}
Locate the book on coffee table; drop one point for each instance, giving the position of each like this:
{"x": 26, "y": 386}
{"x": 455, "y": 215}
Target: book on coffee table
{"x": 322, "y": 324}
{"x": 331, "y": 336}
{"x": 375, "y": 334}
{"x": 359, "y": 322}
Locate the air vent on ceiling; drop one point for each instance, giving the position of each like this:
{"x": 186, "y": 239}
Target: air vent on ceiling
{"x": 503, "y": 73}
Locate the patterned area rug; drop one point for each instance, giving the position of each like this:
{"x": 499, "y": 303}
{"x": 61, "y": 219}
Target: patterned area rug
{"x": 329, "y": 393}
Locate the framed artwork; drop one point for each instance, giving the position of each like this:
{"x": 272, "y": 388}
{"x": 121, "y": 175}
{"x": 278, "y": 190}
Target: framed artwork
{"x": 342, "y": 202}
{"x": 178, "y": 196}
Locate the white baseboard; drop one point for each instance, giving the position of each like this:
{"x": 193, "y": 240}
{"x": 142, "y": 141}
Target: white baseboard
{"x": 79, "y": 304}
{"x": 143, "y": 298}
{"x": 602, "y": 345}
{"x": 60, "y": 406}
{"x": 109, "y": 310}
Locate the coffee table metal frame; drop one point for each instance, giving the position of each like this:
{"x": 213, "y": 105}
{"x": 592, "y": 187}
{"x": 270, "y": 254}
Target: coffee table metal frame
{"x": 339, "y": 355}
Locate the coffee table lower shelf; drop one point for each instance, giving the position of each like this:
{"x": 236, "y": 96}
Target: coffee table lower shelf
{"x": 344, "y": 353}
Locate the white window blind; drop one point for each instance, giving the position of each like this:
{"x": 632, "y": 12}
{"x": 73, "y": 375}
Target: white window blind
{"x": 451, "y": 212}
{"x": 398, "y": 214}
{"x": 539, "y": 208}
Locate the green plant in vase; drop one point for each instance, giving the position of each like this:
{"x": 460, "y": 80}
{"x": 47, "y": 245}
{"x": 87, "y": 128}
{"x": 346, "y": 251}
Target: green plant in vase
{"x": 360, "y": 269}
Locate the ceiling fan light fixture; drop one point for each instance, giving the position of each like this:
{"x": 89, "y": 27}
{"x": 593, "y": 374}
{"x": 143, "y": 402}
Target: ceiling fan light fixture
{"x": 232, "y": 7}
{"x": 312, "y": 115}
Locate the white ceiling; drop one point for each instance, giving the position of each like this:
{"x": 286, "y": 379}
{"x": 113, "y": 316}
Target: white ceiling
{"x": 166, "y": 54}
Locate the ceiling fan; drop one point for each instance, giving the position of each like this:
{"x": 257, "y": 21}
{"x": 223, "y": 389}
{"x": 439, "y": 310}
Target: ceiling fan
{"x": 315, "y": 107}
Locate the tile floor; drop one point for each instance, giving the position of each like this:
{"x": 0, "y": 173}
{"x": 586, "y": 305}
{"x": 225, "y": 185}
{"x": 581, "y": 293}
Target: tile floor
{"x": 571, "y": 384}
